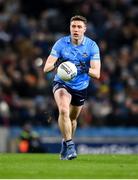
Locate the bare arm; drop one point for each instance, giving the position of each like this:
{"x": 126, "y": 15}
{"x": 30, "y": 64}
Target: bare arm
{"x": 49, "y": 65}
{"x": 94, "y": 70}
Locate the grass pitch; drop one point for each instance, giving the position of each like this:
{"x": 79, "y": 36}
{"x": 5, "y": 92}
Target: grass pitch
{"x": 48, "y": 166}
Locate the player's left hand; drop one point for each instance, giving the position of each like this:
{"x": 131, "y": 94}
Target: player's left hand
{"x": 82, "y": 67}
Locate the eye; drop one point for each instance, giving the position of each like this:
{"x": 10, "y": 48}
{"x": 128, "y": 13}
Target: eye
{"x": 73, "y": 26}
{"x": 79, "y": 27}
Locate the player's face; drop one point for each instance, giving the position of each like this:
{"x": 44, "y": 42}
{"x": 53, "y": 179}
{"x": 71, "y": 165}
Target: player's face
{"x": 77, "y": 29}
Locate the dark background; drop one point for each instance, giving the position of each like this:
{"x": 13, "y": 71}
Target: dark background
{"x": 29, "y": 28}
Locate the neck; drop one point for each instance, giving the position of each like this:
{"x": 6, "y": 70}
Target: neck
{"x": 77, "y": 41}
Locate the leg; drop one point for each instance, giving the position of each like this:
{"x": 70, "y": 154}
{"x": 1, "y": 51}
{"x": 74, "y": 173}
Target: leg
{"x": 74, "y": 113}
{"x": 68, "y": 148}
{"x": 63, "y": 99}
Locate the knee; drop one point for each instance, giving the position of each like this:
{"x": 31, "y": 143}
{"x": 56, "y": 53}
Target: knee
{"x": 73, "y": 119}
{"x": 63, "y": 111}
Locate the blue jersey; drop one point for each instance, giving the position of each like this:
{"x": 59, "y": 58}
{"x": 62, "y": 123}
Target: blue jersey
{"x": 86, "y": 51}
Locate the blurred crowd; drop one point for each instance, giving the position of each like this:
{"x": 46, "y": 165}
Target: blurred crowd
{"x": 29, "y": 28}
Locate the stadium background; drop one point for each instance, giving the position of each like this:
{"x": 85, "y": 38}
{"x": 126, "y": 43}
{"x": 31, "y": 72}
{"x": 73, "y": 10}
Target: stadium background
{"x": 109, "y": 120}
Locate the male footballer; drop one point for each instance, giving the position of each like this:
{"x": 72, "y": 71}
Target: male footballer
{"x": 70, "y": 95}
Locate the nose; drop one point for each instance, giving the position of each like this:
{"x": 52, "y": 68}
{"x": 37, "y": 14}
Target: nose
{"x": 76, "y": 29}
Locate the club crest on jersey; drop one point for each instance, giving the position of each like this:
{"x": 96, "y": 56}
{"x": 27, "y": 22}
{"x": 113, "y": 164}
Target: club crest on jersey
{"x": 85, "y": 55}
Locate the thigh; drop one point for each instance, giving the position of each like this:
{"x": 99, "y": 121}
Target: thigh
{"x": 75, "y": 111}
{"x": 62, "y": 98}
{"x": 62, "y": 95}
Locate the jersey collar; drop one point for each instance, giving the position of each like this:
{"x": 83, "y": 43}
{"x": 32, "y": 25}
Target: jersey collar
{"x": 69, "y": 40}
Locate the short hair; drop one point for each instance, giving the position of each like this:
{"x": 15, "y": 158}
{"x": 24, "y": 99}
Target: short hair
{"x": 79, "y": 18}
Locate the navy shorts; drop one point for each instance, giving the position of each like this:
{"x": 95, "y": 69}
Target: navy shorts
{"x": 78, "y": 97}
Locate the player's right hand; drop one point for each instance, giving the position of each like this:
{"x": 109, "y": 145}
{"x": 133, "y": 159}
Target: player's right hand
{"x": 59, "y": 61}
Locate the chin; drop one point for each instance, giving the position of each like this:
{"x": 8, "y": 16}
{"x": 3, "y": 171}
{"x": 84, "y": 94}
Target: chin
{"x": 76, "y": 38}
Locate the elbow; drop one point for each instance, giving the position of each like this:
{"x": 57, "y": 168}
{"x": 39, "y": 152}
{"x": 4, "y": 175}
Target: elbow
{"x": 98, "y": 76}
{"x": 44, "y": 70}
{"x": 94, "y": 73}
{"x": 47, "y": 69}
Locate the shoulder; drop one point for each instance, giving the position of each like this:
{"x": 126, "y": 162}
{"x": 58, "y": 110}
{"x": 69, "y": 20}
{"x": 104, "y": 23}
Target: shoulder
{"x": 90, "y": 42}
{"x": 63, "y": 39}
{"x": 92, "y": 46}
{"x": 60, "y": 43}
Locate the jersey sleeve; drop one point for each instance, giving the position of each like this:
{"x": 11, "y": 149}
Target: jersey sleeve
{"x": 95, "y": 55}
{"x": 56, "y": 49}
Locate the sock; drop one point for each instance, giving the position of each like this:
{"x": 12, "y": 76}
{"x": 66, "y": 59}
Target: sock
{"x": 64, "y": 142}
{"x": 69, "y": 142}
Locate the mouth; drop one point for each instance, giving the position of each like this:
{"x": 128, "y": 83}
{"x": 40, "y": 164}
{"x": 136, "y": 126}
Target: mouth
{"x": 75, "y": 35}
